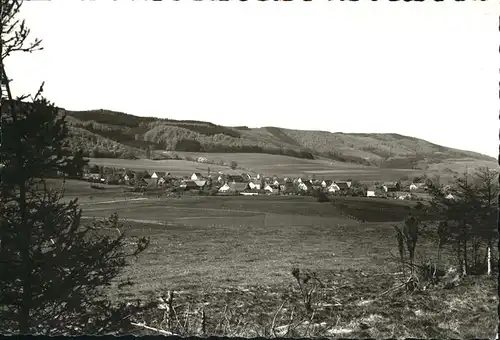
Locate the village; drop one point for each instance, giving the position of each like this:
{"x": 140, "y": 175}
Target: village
{"x": 242, "y": 183}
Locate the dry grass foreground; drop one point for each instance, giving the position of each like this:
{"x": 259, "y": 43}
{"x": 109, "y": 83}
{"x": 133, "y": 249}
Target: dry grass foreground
{"x": 228, "y": 261}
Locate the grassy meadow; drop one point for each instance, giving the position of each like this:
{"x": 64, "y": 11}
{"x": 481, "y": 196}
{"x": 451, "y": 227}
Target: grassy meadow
{"x": 231, "y": 258}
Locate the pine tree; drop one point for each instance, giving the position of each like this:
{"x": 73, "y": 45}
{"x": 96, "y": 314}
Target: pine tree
{"x": 53, "y": 268}
{"x": 469, "y": 216}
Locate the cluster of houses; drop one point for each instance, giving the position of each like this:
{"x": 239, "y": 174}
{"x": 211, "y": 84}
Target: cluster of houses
{"x": 245, "y": 184}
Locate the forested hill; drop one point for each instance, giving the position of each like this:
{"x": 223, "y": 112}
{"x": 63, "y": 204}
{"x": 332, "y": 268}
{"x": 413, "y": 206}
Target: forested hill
{"x": 103, "y": 133}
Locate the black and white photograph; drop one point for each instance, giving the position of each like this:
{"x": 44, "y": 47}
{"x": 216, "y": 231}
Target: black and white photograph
{"x": 250, "y": 168}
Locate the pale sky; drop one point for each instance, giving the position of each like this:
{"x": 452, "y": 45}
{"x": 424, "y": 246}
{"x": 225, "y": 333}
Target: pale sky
{"x": 428, "y": 70}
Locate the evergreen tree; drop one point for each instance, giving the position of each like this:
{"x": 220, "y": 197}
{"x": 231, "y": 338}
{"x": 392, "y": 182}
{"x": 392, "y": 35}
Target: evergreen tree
{"x": 53, "y": 268}
{"x": 469, "y": 217}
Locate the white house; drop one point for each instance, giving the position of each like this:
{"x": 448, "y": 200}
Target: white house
{"x": 158, "y": 174}
{"x": 333, "y": 188}
{"x": 268, "y": 188}
{"x": 413, "y": 186}
{"x": 301, "y": 186}
{"x": 200, "y": 184}
{"x": 450, "y": 197}
{"x": 254, "y": 185}
{"x": 224, "y": 188}
{"x": 370, "y": 193}
{"x": 196, "y": 176}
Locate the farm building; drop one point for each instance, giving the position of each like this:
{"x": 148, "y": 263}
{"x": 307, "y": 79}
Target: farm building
{"x": 268, "y": 188}
{"x": 189, "y": 185}
{"x": 391, "y": 186}
{"x": 278, "y": 184}
{"x": 200, "y": 184}
{"x": 326, "y": 183}
{"x": 196, "y": 176}
{"x": 224, "y": 188}
{"x": 158, "y": 174}
{"x": 370, "y": 192}
{"x": 302, "y": 186}
{"x": 413, "y": 187}
{"x": 254, "y": 185}
{"x": 236, "y": 178}
{"x": 333, "y": 187}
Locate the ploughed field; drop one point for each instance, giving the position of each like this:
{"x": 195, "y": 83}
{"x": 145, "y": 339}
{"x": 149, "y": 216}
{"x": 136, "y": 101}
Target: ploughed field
{"x": 233, "y": 256}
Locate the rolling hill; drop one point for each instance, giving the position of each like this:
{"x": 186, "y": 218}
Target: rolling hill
{"x": 102, "y": 133}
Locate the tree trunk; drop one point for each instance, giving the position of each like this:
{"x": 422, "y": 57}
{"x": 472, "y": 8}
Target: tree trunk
{"x": 438, "y": 265}
{"x": 465, "y": 262}
{"x": 489, "y": 260}
{"x": 474, "y": 252}
{"x": 24, "y": 312}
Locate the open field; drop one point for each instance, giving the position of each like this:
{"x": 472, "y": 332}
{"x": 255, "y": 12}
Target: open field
{"x": 236, "y": 253}
{"x": 268, "y": 165}
{"x": 232, "y": 256}
{"x": 221, "y": 241}
{"x": 461, "y": 165}
{"x": 175, "y": 167}
{"x": 279, "y": 165}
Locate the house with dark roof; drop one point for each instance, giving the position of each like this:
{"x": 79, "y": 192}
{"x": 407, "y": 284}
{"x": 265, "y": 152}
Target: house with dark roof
{"x": 343, "y": 185}
{"x": 188, "y": 185}
{"x": 236, "y": 178}
{"x": 391, "y": 186}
